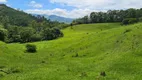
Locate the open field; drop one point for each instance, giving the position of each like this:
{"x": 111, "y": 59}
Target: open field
{"x": 82, "y": 54}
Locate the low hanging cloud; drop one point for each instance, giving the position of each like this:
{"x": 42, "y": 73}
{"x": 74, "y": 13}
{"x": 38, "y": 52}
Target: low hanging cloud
{"x": 76, "y": 13}
{"x": 3, "y": 1}
{"x": 34, "y": 4}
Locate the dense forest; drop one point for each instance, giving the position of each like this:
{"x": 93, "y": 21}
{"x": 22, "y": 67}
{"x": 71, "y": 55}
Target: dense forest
{"x": 125, "y": 16}
{"x": 18, "y": 26}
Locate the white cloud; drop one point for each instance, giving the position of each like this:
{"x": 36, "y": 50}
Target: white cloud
{"x": 76, "y": 13}
{"x": 3, "y": 1}
{"x": 8, "y": 5}
{"x": 101, "y": 4}
{"x": 84, "y": 7}
{"x": 35, "y": 4}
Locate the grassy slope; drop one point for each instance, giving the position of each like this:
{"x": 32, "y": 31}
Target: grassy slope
{"x": 101, "y": 47}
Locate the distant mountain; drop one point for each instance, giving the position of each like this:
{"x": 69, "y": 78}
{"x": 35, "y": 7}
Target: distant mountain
{"x": 60, "y": 19}
{"x": 57, "y": 18}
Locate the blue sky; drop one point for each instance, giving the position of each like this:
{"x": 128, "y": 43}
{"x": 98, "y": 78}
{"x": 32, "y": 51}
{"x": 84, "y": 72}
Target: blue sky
{"x": 70, "y": 8}
{"x": 46, "y": 4}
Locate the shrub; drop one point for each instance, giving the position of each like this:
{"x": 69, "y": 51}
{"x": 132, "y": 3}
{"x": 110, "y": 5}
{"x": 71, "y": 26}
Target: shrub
{"x": 129, "y": 21}
{"x": 31, "y": 48}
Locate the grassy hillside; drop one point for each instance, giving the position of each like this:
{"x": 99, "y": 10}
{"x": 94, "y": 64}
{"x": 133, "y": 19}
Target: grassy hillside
{"x": 82, "y": 54}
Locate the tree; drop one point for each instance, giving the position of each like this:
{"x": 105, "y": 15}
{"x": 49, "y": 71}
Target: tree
{"x": 14, "y": 34}
{"x": 93, "y": 17}
{"x": 5, "y": 21}
{"x": 110, "y": 16}
{"x": 26, "y": 34}
{"x": 129, "y": 21}
{"x": 50, "y": 34}
{"x": 86, "y": 19}
{"x": 131, "y": 13}
{"x": 3, "y": 34}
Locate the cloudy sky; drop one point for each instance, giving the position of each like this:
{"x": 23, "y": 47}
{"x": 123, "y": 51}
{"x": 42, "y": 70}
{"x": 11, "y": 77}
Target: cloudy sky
{"x": 70, "y": 8}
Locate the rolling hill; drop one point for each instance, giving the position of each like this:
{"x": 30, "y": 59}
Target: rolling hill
{"x": 82, "y": 54}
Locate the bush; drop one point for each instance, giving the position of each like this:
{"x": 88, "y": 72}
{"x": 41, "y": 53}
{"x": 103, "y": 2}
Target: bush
{"x": 129, "y": 21}
{"x": 31, "y": 48}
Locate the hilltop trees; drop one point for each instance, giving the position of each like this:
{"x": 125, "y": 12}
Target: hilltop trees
{"x": 14, "y": 17}
{"x": 22, "y": 27}
{"x": 5, "y": 21}
{"x": 111, "y": 16}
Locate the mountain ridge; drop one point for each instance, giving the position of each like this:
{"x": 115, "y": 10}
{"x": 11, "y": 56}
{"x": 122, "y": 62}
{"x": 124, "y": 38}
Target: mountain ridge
{"x": 57, "y": 18}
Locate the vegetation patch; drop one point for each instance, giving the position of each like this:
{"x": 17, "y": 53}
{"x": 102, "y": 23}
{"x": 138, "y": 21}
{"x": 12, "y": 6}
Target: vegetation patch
{"x": 31, "y": 48}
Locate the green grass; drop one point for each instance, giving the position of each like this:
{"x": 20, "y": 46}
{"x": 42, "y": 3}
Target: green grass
{"x": 82, "y": 54}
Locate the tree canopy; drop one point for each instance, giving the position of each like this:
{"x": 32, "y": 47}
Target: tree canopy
{"x": 110, "y": 16}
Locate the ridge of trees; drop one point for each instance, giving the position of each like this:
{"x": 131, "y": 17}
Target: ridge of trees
{"x": 111, "y": 16}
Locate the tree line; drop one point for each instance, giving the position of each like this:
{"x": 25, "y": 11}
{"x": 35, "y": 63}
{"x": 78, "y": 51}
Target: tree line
{"x": 35, "y": 31}
{"x": 125, "y": 16}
